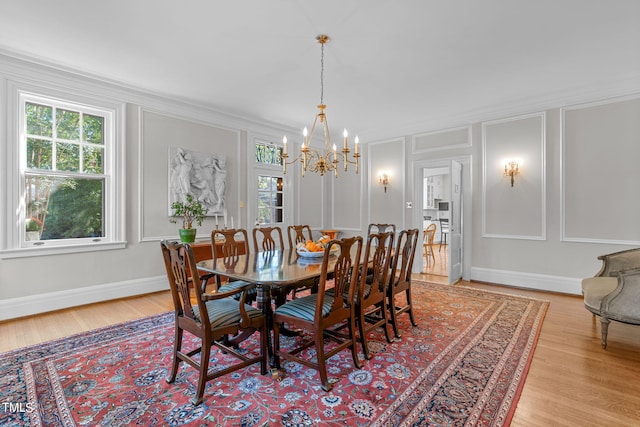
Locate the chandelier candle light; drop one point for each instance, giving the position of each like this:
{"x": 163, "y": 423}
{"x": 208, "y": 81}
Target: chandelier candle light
{"x": 313, "y": 160}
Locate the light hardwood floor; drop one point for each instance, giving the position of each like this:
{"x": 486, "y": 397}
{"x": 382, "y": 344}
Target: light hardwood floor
{"x": 572, "y": 381}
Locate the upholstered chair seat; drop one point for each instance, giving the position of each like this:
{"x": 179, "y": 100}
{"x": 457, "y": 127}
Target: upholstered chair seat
{"x": 305, "y": 307}
{"x": 614, "y": 293}
{"x": 594, "y": 289}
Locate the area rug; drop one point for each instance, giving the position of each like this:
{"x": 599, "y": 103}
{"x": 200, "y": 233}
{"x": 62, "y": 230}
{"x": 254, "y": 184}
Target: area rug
{"x": 465, "y": 364}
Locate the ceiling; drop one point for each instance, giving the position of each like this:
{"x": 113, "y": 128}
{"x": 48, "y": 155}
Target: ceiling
{"x": 391, "y": 68}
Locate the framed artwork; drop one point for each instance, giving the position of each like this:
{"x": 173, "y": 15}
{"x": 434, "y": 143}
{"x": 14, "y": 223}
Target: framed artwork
{"x": 204, "y": 175}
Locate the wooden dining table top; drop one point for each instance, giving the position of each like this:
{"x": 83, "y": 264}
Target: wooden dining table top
{"x": 274, "y": 268}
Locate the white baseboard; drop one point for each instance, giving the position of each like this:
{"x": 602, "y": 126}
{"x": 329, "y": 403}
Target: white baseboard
{"x": 26, "y": 306}
{"x": 543, "y": 282}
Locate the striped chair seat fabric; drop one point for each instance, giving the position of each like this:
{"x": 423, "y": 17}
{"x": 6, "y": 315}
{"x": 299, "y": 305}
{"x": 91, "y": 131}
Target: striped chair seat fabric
{"x": 305, "y": 307}
{"x": 225, "y": 312}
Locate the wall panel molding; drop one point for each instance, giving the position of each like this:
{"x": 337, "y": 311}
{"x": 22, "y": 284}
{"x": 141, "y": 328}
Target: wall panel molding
{"x": 600, "y": 201}
{"x": 518, "y": 211}
{"x": 441, "y": 140}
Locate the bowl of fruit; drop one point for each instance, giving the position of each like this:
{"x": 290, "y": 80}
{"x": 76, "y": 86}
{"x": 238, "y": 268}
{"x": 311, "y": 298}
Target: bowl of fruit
{"x": 311, "y": 249}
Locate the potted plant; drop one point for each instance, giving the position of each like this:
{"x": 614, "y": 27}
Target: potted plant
{"x": 191, "y": 210}
{"x": 34, "y": 229}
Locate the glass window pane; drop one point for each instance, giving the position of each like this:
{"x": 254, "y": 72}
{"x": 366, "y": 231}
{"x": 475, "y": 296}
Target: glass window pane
{"x": 39, "y": 119}
{"x": 67, "y": 207}
{"x": 68, "y": 124}
{"x": 39, "y": 154}
{"x": 93, "y": 159}
{"x": 68, "y": 157}
{"x": 263, "y": 182}
{"x": 92, "y": 127}
{"x": 259, "y": 153}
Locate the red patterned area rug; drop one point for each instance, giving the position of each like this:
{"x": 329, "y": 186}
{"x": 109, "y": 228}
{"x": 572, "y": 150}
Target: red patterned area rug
{"x": 465, "y": 364}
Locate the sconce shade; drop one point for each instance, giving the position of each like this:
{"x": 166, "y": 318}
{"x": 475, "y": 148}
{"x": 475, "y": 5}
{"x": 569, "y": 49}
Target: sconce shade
{"x": 384, "y": 180}
{"x": 511, "y": 170}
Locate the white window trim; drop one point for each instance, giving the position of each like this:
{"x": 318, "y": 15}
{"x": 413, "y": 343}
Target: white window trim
{"x": 12, "y": 207}
{"x": 262, "y": 169}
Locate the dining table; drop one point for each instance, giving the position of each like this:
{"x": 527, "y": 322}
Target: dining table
{"x": 269, "y": 271}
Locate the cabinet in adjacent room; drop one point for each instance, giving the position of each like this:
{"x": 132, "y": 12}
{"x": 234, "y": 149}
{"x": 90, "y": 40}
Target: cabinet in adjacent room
{"x": 432, "y": 191}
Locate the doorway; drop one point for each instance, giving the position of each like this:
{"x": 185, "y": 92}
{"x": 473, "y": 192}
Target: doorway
{"x": 435, "y": 216}
{"x": 439, "y": 197}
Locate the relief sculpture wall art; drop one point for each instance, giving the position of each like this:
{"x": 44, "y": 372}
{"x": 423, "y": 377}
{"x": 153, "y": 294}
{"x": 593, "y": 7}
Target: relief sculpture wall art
{"x": 203, "y": 175}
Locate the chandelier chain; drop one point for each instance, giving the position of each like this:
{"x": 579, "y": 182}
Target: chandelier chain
{"x": 321, "y": 73}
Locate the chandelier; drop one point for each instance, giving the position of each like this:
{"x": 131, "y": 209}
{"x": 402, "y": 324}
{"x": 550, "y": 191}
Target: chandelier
{"x": 329, "y": 160}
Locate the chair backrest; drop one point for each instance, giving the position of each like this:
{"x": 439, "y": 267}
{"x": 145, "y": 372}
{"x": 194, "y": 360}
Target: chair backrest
{"x": 444, "y": 225}
{"x": 268, "y": 242}
{"x": 403, "y": 259}
{"x": 296, "y": 234}
{"x": 178, "y": 260}
{"x": 429, "y": 234}
{"x": 230, "y": 250}
{"x": 345, "y": 276}
{"x": 378, "y": 253}
{"x": 378, "y": 228}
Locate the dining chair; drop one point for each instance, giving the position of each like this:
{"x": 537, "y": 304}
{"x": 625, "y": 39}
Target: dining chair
{"x": 263, "y": 239}
{"x": 322, "y": 314}
{"x": 300, "y": 234}
{"x": 427, "y": 242}
{"x": 444, "y": 231}
{"x": 296, "y": 234}
{"x": 400, "y": 279}
{"x": 228, "y": 252}
{"x": 371, "y": 296}
{"x": 264, "y": 235}
{"x": 378, "y": 228}
{"x": 211, "y": 318}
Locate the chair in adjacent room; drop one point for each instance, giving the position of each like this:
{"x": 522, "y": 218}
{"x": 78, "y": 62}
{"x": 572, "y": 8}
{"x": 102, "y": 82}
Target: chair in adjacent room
{"x": 399, "y": 289}
{"x": 614, "y": 293}
{"x": 427, "y": 243}
{"x": 444, "y": 231}
{"x": 211, "y": 318}
{"x": 323, "y": 315}
{"x": 371, "y": 295}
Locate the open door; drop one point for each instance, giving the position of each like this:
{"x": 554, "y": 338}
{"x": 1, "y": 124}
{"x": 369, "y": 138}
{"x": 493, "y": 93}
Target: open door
{"x": 455, "y": 223}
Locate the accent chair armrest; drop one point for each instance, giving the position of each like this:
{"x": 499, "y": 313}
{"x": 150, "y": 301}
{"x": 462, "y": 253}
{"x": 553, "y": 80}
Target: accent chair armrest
{"x": 623, "y": 304}
{"x": 619, "y": 261}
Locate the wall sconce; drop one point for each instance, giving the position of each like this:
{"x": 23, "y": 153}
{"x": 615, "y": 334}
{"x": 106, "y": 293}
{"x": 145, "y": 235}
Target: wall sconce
{"x": 383, "y": 177}
{"x": 511, "y": 170}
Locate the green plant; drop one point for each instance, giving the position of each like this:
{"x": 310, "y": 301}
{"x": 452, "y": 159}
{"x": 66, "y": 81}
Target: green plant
{"x": 34, "y": 224}
{"x": 190, "y": 210}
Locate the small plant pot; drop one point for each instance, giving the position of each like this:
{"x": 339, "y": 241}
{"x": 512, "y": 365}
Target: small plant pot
{"x": 32, "y": 236}
{"x": 187, "y": 235}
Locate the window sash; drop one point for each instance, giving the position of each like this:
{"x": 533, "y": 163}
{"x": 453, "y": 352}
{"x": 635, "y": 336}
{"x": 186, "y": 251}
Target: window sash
{"x": 13, "y": 241}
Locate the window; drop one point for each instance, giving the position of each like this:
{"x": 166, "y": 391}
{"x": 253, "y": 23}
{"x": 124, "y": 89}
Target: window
{"x": 64, "y": 176}
{"x": 270, "y": 183}
{"x": 65, "y": 179}
{"x": 270, "y": 206}
{"x": 268, "y": 154}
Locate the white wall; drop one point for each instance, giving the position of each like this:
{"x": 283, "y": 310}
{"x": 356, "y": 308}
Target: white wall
{"x": 564, "y": 251}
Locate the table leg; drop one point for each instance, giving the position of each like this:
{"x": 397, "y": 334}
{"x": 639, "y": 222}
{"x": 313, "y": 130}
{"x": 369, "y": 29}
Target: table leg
{"x": 263, "y": 299}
